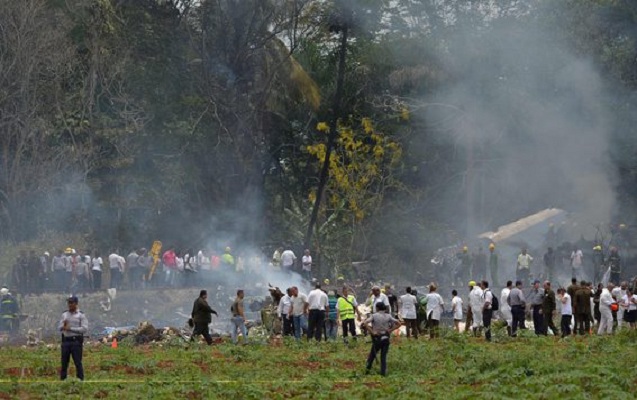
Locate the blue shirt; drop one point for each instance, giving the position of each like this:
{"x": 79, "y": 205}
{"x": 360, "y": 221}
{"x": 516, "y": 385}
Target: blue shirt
{"x": 331, "y": 301}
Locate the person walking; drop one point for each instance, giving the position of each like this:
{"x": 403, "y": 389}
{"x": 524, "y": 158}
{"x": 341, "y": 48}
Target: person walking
{"x": 346, "y": 308}
{"x": 524, "y": 266}
{"x": 73, "y": 325}
{"x": 583, "y": 308}
{"x": 284, "y": 311}
{"x": 238, "y": 318}
{"x": 201, "y": 317}
{"x": 549, "y": 305}
{"x": 380, "y": 325}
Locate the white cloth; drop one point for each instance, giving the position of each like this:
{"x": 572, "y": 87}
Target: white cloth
{"x": 505, "y": 308}
{"x": 487, "y": 296}
{"x": 116, "y": 261}
{"x": 97, "y": 263}
{"x": 524, "y": 260}
{"x": 476, "y": 301}
{"x": 284, "y": 305}
{"x": 408, "y": 304}
{"x": 628, "y": 302}
{"x": 317, "y": 300}
{"x": 287, "y": 258}
{"x": 456, "y": 307}
{"x": 307, "y": 263}
{"x": 567, "y": 307}
{"x": 382, "y": 298}
{"x": 576, "y": 258}
{"x": 434, "y": 306}
{"x": 298, "y": 304}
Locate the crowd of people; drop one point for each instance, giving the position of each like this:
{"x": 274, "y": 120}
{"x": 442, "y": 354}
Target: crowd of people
{"x": 78, "y": 271}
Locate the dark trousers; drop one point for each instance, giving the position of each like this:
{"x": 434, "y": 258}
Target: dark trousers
{"x": 538, "y": 319}
{"x": 315, "y": 324}
{"x": 349, "y": 325}
{"x": 412, "y": 327}
{"x": 59, "y": 279}
{"x": 518, "y": 319}
{"x": 135, "y": 276}
{"x": 97, "y": 280}
{"x": 72, "y": 348}
{"x": 583, "y": 324}
{"x": 288, "y": 325}
{"x": 433, "y": 325}
{"x": 487, "y": 315}
{"x": 566, "y": 325}
{"x": 379, "y": 344}
{"x": 201, "y": 328}
{"x": 548, "y": 323}
{"x": 116, "y": 278}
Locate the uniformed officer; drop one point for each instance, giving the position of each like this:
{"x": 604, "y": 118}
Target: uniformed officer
{"x": 73, "y": 326}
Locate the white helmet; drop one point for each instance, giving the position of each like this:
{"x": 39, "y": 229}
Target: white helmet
{"x": 4, "y": 291}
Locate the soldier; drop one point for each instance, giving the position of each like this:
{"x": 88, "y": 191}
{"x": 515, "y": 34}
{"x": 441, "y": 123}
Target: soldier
{"x": 549, "y": 305}
{"x": 73, "y": 326}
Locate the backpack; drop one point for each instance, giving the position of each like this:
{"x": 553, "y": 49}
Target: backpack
{"x": 495, "y": 302}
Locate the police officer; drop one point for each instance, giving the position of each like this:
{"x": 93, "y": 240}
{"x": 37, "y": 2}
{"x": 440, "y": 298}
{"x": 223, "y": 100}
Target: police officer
{"x": 380, "y": 325}
{"x": 73, "y": 326}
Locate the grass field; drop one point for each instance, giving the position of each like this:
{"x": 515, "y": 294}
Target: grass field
{"x": 451, "y": 367}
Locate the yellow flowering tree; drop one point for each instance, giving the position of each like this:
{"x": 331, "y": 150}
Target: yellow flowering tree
{"x": 360, "y": 168}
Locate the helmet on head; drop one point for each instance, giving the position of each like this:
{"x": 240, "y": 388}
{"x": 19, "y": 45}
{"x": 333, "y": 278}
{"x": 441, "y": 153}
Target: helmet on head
{"x": 491, "y": 246}
{"x": 228, "y": 249}
{"x": 341, "y": 278}
{"x": 472, "y": 283}
{"x": 4, "y": 291}
{"x": 326, "y": 281}
{"x": 465, "y": 249}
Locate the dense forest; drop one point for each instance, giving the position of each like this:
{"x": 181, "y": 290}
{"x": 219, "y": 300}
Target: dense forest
{"x": 210, "y": 121}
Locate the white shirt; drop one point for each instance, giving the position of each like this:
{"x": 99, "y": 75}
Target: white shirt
{"x": 567, "y": 308}
{"x": 434, "y": 305}
{"x": 504, "y": 295}
{"x": 476, "y": 300}
{"x": 97, "y": 263}
{"x": 382, "y": 298}
{"x": 408, "y": 306}
{"x": 307, "y": 263}
{"x": 284, "y": 305}
{"x": 456, "y": 307}
{"x": 524, "y": 260}
{"x": 115, "y": 261}
{"x": 606, "y": 298}
{"x": 627, "y": 302}
{"x": 487, "y": 296}
{"x": 298, "y": 304}
{"x": 317, "y": 300}
{"x": 287, "y": 258}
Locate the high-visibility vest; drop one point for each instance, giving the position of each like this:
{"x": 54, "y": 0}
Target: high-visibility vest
{"x": 346, "y": 309}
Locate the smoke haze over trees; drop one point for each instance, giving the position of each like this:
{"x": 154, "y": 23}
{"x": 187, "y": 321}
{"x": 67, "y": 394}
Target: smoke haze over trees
{"x": 129, "y": 121}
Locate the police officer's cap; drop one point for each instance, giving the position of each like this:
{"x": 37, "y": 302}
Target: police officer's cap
{"x": 72, "y": 299}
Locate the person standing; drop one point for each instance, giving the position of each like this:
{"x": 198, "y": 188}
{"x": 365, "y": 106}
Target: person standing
{"x": 505, "y": 309}
{"x": 567, "y": 311}
{"x": 298, "y": 312}
{"x": 493, "y": 265}
{"x": 583, "y": 308}
{"x": 380, "y": 325}
{"x": 73, "y": 325}
{"x": 605, "y": 302}
{"x": 487, "y": 309}
{"x": 238, "y": 318}
{"x": 549, "y": 305}
{"x": 317, "y": 305}
{"x": 524, "y": 266}
{"x": 284, "y": 311}
{"x": 96, "y": 270}
{"x": 376, "y": 298}
{"x": 288, "y": 258}
{"x": 517, "y": 302}
{"x": 347, "y": 307}
{"x": 202, "y": 316}
{"x": 572, "y": 290}
{"x": 9, "y": 311}
{"x": 456, "y": 310}
{"x": 408, "y": 304}
{"x": 116, "y": 264}
{"x": 480, "y": 264}
{"x": 306, "y": 262}
{"x": 476, "y": 302}
{"x": 535, "y": 299}
{"x": 598, "y": 262}
{"x": 331, "y": 318}
{"x": 629, "y": 302}
{"x": 435, "y": 306}
{"x": 393, "y": 301}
